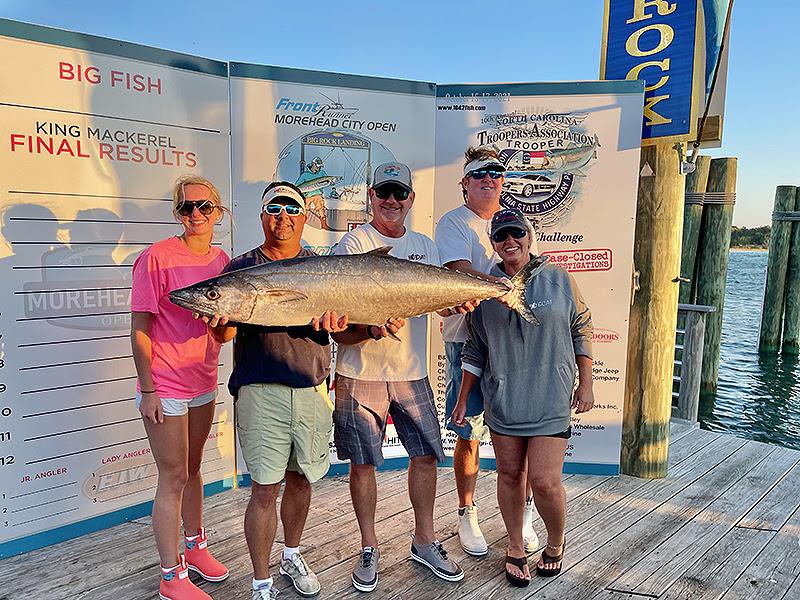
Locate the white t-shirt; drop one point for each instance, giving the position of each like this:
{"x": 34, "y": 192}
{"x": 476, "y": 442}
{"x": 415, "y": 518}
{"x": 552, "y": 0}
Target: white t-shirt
{"x": 463, "y": 235}
{"x": 387, "y": 359}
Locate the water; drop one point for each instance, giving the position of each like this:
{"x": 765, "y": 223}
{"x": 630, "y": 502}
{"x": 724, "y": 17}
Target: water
{"x": 758, "y": 397}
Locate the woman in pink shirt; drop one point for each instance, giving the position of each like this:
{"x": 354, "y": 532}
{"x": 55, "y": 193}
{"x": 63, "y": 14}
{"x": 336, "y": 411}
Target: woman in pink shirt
{"x": 176, "y": 359}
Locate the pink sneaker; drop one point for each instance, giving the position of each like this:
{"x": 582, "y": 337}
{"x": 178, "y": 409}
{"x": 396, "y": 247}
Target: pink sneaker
{"x": 176, "y": 585}
{"x": 200, "y": 560}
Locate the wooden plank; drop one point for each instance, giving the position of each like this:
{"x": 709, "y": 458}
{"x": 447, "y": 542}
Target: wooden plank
{"x": 407, "y": 579}
{"x": 680, "y": 427}
{"x": 714, "y": 572}
{"x": 233, "y": 550}
{"x": 599, "y": 550}
{"x": 775, "y": 569}
{"x": 590, "y": 528}
{"x": 660, "y": 568}
{"x": 777, "y": 506}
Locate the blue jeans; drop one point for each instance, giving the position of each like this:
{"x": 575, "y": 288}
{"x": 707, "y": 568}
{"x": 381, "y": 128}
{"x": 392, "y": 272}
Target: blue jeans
{"x": 474, "y": 429}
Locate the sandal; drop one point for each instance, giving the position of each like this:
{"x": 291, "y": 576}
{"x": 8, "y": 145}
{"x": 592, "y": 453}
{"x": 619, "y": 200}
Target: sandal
{"x": 548, "y": 559}
{"x": 520, "y": 563}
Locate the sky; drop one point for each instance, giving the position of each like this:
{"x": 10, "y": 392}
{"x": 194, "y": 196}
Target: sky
{"x": 466, "y": 41}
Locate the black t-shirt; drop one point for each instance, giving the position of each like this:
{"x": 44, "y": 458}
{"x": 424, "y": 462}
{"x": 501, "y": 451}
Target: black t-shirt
{"x": 297, "y": 357}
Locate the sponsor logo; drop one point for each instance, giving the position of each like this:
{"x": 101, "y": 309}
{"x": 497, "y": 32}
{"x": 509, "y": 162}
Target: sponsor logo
{"x": 540, "y": 303}
{"x": 590, "y": 259}
{"x": 547, "y": 156}
{"x": 417, "y": 257}
{"x": 328, "y": 108}
{"x": 604, "y": 336}
{"x": 391, "y": 171}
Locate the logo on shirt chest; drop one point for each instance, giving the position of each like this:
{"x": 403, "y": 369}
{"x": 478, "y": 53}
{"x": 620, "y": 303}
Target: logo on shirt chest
{"x": 417, "y": 257}
{"x": 541, "y": 303}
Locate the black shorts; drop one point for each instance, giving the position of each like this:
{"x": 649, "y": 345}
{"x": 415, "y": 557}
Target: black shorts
{"x": 564, "y": 435}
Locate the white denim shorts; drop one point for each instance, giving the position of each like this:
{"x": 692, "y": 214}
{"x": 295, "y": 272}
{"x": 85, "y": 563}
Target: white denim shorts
{"x": 177, "y": 407}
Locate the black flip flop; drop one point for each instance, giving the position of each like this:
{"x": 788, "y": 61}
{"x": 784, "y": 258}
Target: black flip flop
{"x": 520, "y": 563}
{"x": 550, "y": 560}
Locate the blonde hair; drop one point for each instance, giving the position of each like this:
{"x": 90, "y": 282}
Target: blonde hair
{"x": 479, "y": 153}
{"x": 194, "y": 179}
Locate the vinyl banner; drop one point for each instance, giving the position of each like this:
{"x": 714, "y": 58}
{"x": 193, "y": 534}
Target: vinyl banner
{"x": 572, "y": 152}
{"x": 93, "y": 133}
{"x": 327, "y": 133}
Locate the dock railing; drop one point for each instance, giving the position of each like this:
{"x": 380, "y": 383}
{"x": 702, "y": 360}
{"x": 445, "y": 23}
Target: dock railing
{"x": 689, "y": 337}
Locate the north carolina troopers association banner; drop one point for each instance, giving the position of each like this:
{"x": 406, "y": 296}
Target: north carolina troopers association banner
{"x": 326, "y": 133}
{"x": 571, "y": 151}
{"x": 94, "y": 134}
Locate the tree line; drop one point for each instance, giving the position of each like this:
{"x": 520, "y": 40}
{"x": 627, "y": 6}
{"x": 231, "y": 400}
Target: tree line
{"x": 745, "y": 237}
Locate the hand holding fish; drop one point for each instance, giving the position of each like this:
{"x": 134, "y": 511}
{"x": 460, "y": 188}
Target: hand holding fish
{"x": 390, "y": 328}
{"x": 212, "y": 321}
{"x": 461, "y": 309}
{"x": 330, "y": 322}
{"x": 507, "y": 298}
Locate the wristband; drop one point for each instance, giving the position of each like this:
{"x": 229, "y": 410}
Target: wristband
{"x": 143, "y": 392}
{"x": 369, "y": 333}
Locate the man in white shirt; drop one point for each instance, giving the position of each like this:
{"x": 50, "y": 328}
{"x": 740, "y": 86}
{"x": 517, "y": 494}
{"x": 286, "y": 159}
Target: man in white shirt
{"x": 378, "y": 377}
{"x": 464, "y": 245}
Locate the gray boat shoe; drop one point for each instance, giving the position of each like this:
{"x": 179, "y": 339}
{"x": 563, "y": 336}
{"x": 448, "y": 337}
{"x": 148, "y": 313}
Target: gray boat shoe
{"x": 365, "y": 575}
{"x": 434, "y": 556}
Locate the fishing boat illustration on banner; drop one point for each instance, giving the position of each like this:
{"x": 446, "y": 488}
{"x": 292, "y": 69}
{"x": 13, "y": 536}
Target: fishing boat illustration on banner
{"x": 333, "y": 168}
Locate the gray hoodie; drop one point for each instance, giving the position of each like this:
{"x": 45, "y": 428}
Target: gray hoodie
{"x": 528, "y": 371}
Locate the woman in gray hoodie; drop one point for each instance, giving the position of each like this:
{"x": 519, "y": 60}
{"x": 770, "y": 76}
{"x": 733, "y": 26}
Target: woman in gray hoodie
{"x": 527, "y": 376}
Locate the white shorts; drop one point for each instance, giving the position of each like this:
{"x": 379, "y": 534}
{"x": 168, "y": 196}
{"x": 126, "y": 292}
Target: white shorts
{"x": 177, "y": 407}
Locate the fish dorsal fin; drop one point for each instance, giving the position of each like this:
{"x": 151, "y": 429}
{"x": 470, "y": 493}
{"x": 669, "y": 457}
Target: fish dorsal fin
{"x": 382, "y": 250}
{"x": 281, "y": 296}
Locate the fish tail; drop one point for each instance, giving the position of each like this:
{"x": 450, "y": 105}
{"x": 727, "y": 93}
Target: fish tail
{"x": 516, "y": 297}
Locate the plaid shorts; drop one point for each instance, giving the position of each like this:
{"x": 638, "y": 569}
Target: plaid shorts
{"x": 361, "y": 412}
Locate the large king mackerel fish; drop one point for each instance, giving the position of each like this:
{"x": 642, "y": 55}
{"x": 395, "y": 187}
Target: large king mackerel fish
{"x": 370, "y": 288}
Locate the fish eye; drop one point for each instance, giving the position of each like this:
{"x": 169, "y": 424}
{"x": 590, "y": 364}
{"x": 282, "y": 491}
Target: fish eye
{"x": 212, "y": 294}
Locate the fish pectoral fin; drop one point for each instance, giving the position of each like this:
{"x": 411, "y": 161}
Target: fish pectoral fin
{"x": 382, "y": 250}
{"x": 282, "y": 296}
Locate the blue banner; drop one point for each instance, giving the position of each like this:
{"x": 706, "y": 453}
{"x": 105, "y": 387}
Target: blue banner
{"x": 660, "y": 42}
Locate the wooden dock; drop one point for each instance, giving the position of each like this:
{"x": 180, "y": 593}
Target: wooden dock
{"x": 724, "y": 524}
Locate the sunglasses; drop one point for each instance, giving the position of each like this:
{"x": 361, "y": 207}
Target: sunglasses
{"x": 481, "y": 173}
{"x": 291, "y": 210}
{"x": 516, "y": 233}
{"x": 398, "y": 192}
{"x": 185, "y": 208}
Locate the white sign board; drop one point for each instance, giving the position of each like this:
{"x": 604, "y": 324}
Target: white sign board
{"x": 327, "y": 132}
{"x": 572, "y": 154}
{"x": 94, "y": 133}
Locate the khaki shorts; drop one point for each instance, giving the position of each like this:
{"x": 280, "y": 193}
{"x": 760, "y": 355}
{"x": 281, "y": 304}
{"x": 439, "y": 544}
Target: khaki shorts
{"x": 282, "y": 428}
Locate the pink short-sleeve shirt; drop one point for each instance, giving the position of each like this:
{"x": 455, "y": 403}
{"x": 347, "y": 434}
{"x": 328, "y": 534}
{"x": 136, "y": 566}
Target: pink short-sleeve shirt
{"x": 184, "y": 353}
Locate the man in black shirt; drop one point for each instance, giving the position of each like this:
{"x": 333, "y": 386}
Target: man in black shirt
{"x": 283, "y": 413}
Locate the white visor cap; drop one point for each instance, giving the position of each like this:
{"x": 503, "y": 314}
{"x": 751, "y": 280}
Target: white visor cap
{"x": 485, "y": 163}
{"x": 283, "y": 191}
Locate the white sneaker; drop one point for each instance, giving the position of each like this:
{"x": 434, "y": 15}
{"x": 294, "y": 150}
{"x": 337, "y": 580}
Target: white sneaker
{"x": 529, "y": 538}
{"x": 469, "y": 532}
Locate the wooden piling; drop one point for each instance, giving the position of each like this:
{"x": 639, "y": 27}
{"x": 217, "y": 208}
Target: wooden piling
{"x": 651, "y": 337}
{"x": 713, "y": 270}
{"x": 691, "y": 360}
{"x": 791, "y": 315}
{"x": 770, "y": 337}
{"x": 692, "y": 218}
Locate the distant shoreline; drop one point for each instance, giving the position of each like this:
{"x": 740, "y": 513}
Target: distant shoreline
{"x": 749, "y": 249}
